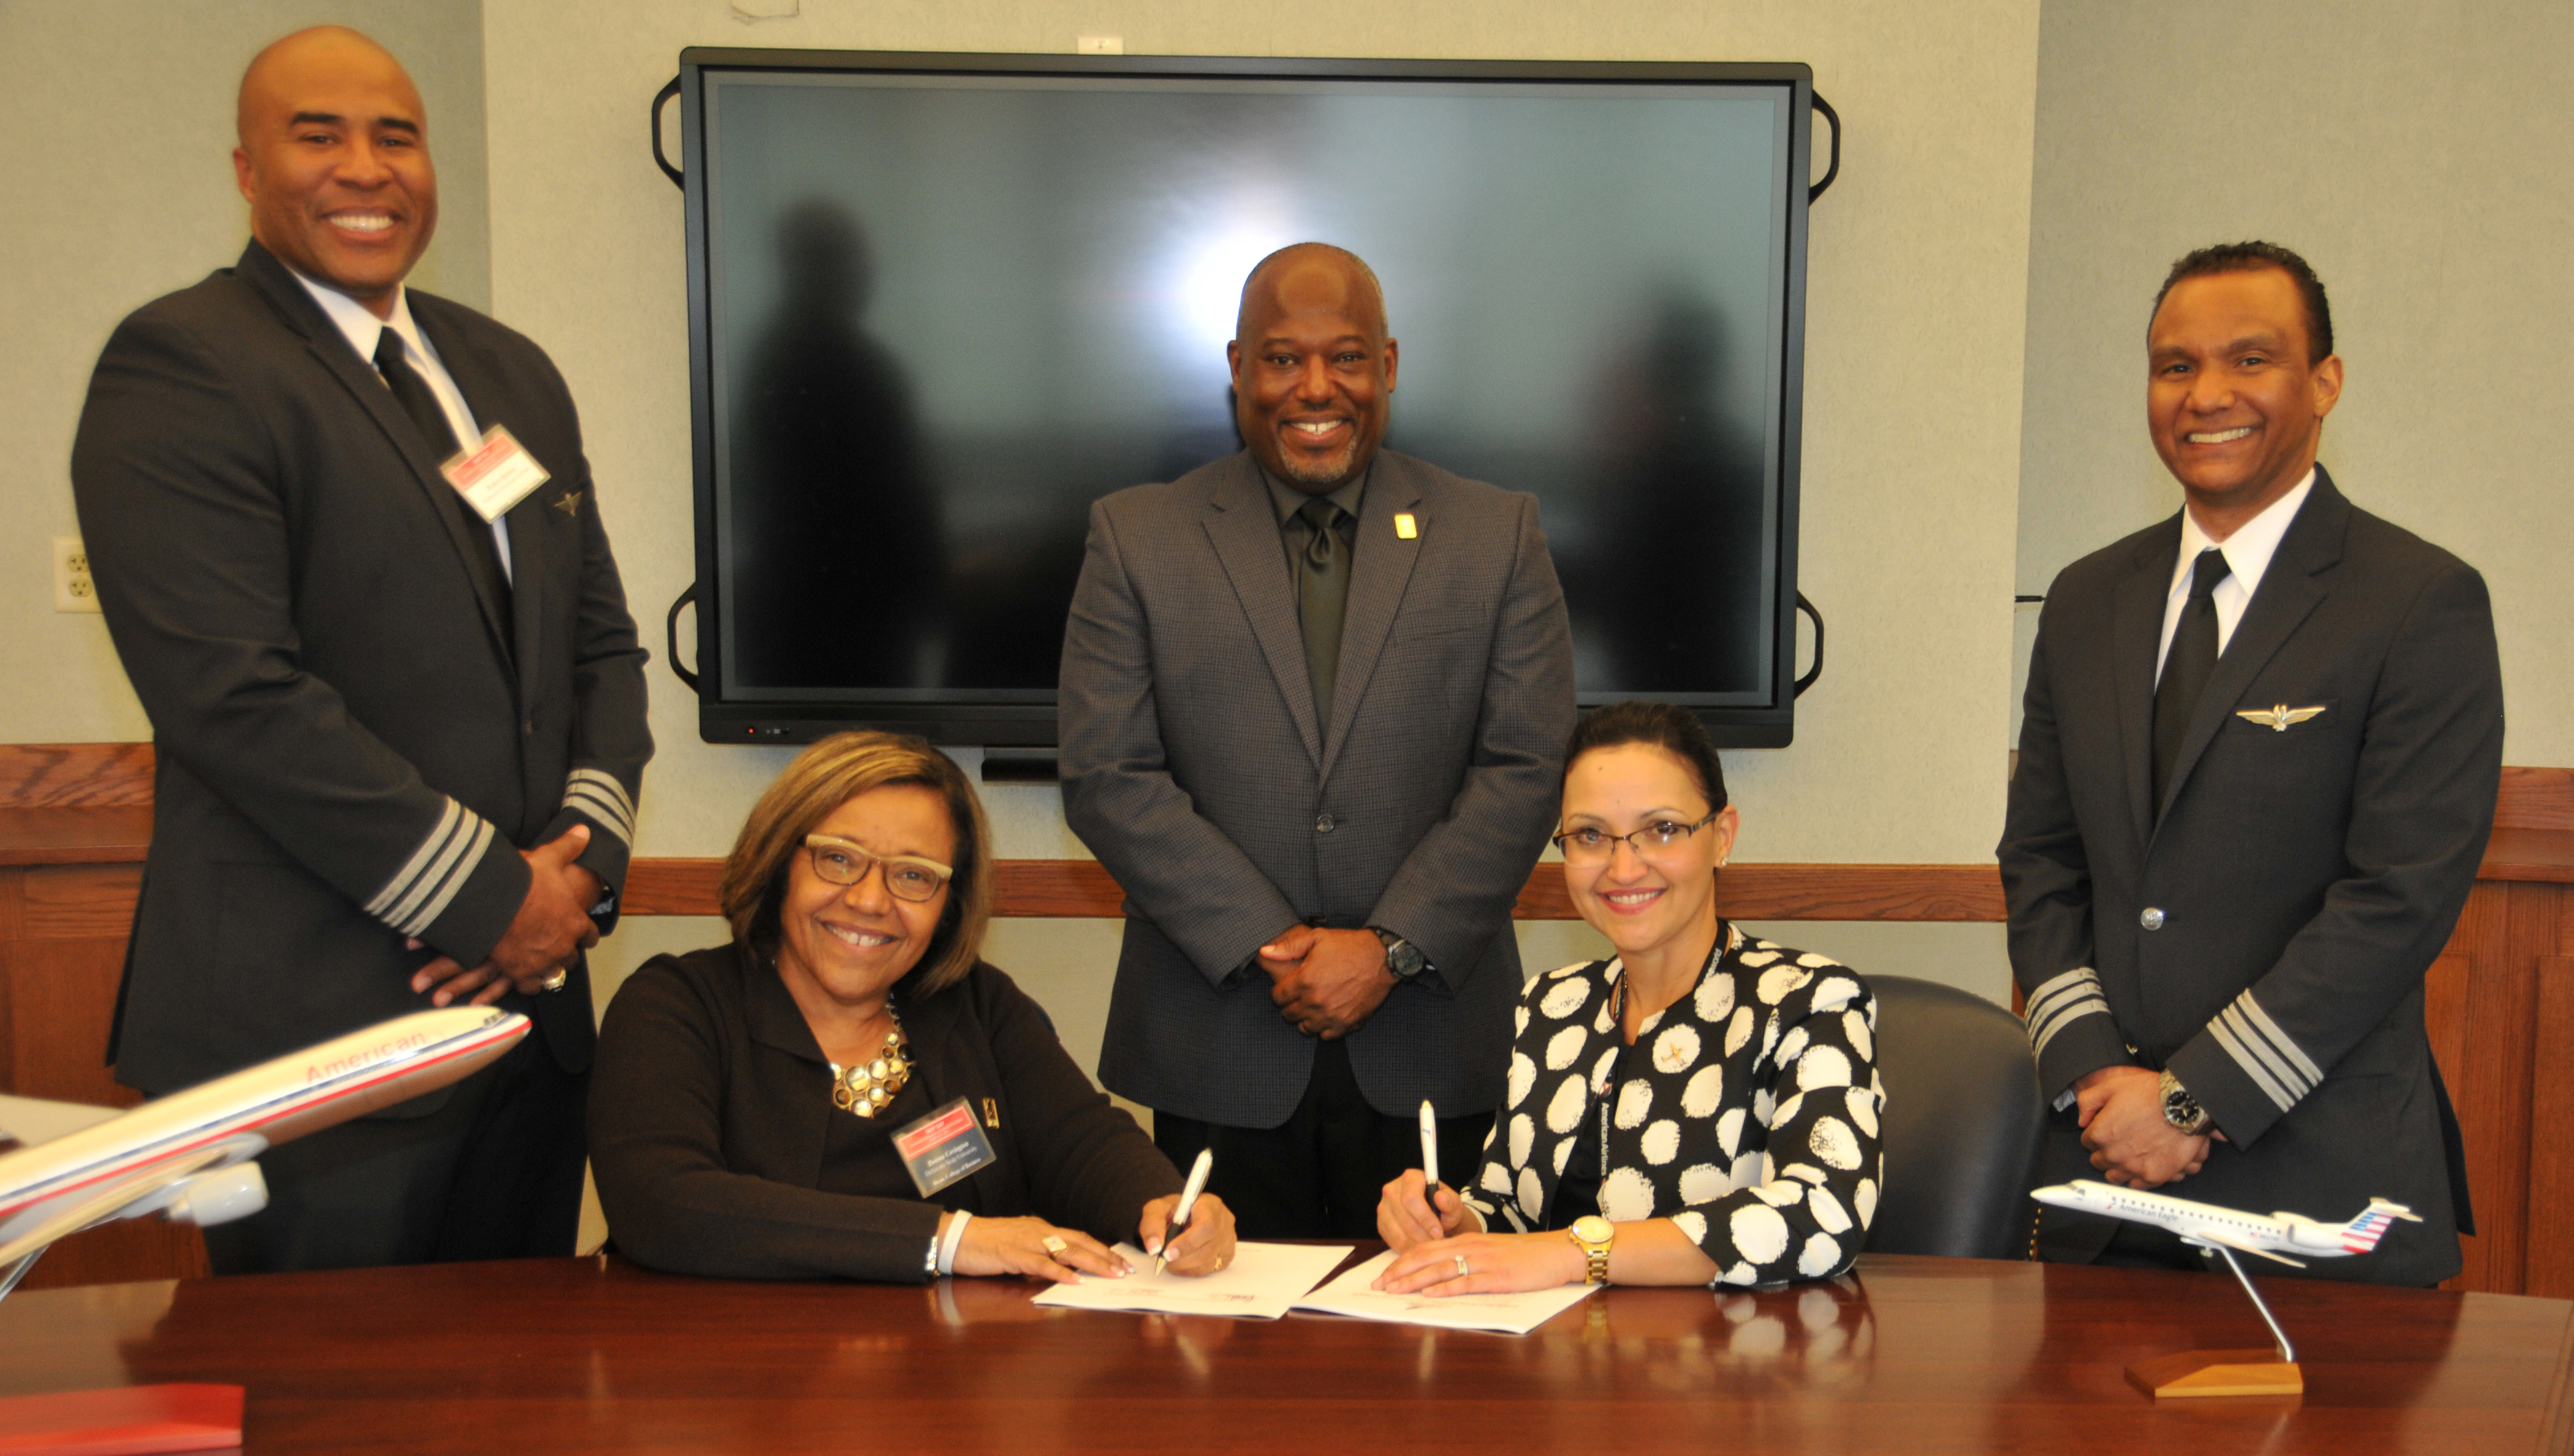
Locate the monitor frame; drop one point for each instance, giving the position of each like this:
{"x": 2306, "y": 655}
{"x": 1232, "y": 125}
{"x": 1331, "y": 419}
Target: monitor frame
{"x": 1032, "y": 726}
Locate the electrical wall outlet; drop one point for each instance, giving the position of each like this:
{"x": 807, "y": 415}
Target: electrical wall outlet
{"x": 1099, "y": 45}
{"x": 72, "y": 588}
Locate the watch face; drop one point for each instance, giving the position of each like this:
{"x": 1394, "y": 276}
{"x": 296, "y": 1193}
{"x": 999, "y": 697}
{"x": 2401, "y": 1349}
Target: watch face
{"x": 1593, "y": 1229}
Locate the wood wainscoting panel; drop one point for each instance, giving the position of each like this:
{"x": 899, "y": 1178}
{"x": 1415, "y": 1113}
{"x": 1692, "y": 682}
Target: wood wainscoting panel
{"x": 2551, "y": 1145}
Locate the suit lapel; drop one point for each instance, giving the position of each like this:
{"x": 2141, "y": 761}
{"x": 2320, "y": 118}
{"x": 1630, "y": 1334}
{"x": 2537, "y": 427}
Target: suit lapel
{"x": 528, "y": 538}
{"x": 2287, "y": 595}
{"x": 1243, "y": 528}
{"x": 365, "y": 386}
{"x": 2137, "y": 631}
{"x": 1380, "y": 571}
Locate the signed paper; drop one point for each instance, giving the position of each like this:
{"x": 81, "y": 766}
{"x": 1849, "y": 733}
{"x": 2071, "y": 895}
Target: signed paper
{"x": 1260, "y": 1283}
{"x": 1510, "y": 1314}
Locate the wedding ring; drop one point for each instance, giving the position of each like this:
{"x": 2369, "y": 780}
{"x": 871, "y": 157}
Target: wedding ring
{"x": 1462, "y": 1271}
{"x": 1055, "y": 1245}
{"x": 554, "y": 982}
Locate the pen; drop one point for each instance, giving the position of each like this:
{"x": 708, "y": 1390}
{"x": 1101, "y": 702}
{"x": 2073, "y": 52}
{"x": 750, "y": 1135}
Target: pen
{"x": 1429, "y": 1157}
{"x": 1188, "y": 1203}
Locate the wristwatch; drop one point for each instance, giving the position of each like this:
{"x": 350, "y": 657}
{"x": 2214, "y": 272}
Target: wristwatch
{"x": 1403, "y": 959}
{"x": 2181, "y": 1109}
{"x": 1595, "y": 1234}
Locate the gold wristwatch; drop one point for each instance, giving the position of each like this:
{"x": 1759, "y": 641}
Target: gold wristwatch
{"x": 1595, "y": 1234}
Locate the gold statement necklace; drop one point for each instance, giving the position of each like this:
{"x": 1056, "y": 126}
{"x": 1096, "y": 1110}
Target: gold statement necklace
{"x": 867, "y": 1087}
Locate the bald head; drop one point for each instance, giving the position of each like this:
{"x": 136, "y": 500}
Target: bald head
{"x": 292, "y": 63}
{"x": 1313, "y": 370}
{"x": 1311, "y": 275}
{"x": 334, "y": 161}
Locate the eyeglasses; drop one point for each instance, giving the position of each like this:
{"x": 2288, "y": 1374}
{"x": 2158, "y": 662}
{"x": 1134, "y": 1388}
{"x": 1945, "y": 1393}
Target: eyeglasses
{"x": 906, "y": 877}
{"x": 1588, "y": 846}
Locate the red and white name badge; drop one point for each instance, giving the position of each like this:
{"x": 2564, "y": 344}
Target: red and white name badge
{"x": 495, "y": 475}
{"x": 943, "y": 1148}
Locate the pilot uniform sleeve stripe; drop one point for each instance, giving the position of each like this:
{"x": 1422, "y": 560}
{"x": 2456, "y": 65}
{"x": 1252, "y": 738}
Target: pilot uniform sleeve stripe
{"x": 2251, "y": 1065}
{"x": 420, "y": 891}
{"x": 605, "y": 803}
{"x": 2279, "y": 1040}
{"x": 2060, "y": 1001}
{"x": 2297, "y": 1084}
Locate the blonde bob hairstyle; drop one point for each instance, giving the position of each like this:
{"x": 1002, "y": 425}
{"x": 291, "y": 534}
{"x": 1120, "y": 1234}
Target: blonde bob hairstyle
{"x": 826, "y": 775}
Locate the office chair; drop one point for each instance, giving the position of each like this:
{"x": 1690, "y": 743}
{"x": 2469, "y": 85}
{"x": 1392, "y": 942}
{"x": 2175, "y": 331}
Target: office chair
{"x": 1961, "y": 1125}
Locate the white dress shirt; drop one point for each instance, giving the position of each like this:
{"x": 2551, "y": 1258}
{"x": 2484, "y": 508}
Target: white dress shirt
{"x": 363, "y": 330}
{"x": 2247, "y": 559}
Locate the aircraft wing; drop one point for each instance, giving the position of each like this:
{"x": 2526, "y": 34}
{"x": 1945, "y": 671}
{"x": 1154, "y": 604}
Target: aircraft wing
{"x": 31, "y": 1120}
{"x": 2209, "y": 1240}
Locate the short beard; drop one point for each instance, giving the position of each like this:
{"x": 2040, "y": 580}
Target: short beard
{"x": 1304, "y": 470}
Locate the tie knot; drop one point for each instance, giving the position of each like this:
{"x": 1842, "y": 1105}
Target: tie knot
{"x": 389, "y": 348}
{"x": 1320, "y": 513}
{"x": 2206, "y": 572}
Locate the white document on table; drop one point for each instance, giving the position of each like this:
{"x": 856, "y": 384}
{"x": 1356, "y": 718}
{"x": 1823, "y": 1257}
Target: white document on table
{"x": 1510, "y": 1314}
{"x": 1260, "y": 1283}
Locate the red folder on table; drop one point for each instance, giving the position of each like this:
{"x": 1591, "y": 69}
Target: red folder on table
{"x": 126, "y": 1421}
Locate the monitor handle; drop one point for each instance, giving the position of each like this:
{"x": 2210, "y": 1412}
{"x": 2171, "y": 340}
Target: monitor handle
{"x": 1812, "y": 192}
{"x": 678, "y": 180}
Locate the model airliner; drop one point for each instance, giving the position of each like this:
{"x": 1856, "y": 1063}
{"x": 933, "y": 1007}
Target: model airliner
{"x": 2273, "y": 1236}
{"x": 188, "y": 1156}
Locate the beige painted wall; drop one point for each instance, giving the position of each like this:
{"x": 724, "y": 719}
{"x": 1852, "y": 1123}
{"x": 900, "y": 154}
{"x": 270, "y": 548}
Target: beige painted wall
{"x": 115, "y": 155}
{"x": 2416, "y": 152}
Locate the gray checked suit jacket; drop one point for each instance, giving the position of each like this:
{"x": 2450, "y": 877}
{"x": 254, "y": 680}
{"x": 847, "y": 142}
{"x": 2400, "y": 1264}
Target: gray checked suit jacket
{"x": 1194, "y": 768}
{"x": 351, "y": 750}
{"x": 2264, "y": 931}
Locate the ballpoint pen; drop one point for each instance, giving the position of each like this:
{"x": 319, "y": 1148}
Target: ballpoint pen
{"x": 1189, "y": 1203}
{"x": 1430, "y": 1158}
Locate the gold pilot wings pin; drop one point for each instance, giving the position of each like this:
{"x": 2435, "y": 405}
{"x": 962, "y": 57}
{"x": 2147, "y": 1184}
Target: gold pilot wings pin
{"x": 2278, "y": 720}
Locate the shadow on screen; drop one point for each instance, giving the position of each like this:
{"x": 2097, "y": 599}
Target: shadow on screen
{"x": 837, "y": 527}
{"x": 1669, "y": 587}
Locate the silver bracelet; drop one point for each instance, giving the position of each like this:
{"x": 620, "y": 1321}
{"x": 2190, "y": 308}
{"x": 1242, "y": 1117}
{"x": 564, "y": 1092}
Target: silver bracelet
{"x": 946, "y": 1261}
{"x": 929, "y": 1265}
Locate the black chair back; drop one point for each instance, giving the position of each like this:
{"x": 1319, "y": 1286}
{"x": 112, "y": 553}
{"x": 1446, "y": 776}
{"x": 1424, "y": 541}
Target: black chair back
{"x": 1963, "y": 1123}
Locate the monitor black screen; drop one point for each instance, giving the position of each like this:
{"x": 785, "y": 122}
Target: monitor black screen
{"x": 941, "y": 303}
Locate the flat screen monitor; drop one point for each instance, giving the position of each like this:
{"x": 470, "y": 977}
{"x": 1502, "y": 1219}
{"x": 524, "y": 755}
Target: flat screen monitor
{"x": 938, "y": 304}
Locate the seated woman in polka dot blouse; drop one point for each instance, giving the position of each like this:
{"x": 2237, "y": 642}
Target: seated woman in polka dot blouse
{"x": 1700, "y": 1109}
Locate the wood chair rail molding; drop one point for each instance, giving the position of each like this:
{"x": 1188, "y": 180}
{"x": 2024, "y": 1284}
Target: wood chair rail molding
{"x": 41, "y": 783}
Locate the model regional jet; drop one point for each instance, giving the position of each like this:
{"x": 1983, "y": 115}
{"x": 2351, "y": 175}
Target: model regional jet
{"x": 2273, "y": 1236}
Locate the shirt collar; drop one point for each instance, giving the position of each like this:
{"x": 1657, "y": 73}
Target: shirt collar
{"x": 359, "y": 327}
{"x": 2249, "y": 549}
{"x": 1287, "y": 499}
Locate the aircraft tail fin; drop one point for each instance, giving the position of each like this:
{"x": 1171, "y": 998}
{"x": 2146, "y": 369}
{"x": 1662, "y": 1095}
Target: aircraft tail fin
{"x": 2362, "y": 1233}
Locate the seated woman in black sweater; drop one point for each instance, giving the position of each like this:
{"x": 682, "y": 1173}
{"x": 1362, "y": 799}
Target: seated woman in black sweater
{"x": 745, "y": 1100}
{"x": 1701, "y": 1108}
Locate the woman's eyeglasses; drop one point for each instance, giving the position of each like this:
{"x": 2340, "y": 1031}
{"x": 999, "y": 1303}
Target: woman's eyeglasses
{"x": 906, "y": 877}
{"x": 1589, "y": 846}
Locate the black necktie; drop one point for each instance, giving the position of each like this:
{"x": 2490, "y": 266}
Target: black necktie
{"x": 1322, "y": 590}
{"x": 421, "y": 403}
{"x": 2185, "y": 666}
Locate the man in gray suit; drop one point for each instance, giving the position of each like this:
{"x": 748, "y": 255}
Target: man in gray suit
{"x": 1314, "y": 704}
{"x": 2257, "y": 774}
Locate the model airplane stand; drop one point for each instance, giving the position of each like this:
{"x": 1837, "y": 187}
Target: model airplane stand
{"x": 2225, "y": 1372}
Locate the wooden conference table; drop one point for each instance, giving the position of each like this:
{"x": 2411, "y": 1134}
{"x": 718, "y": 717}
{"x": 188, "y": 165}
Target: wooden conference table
{"x": 1915, "y": 1355}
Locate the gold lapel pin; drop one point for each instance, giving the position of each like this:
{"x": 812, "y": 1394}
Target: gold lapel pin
{"x": 2278, "y": 718}
{"x": 1405, "y": 526}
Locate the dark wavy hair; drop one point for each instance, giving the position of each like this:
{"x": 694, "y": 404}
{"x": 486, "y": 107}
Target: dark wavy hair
{"x": 1674, "y": 730}
{"x": 2251, "y": 257}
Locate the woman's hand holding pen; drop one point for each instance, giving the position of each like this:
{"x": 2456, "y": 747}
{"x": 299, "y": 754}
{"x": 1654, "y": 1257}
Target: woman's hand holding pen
{"x": 1404, "y": 1216}
{"x": 1206, "y": 1242}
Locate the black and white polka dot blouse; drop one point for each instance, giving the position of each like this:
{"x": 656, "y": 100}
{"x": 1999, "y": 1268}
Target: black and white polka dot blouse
{"x": 1745, "y": 1112}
